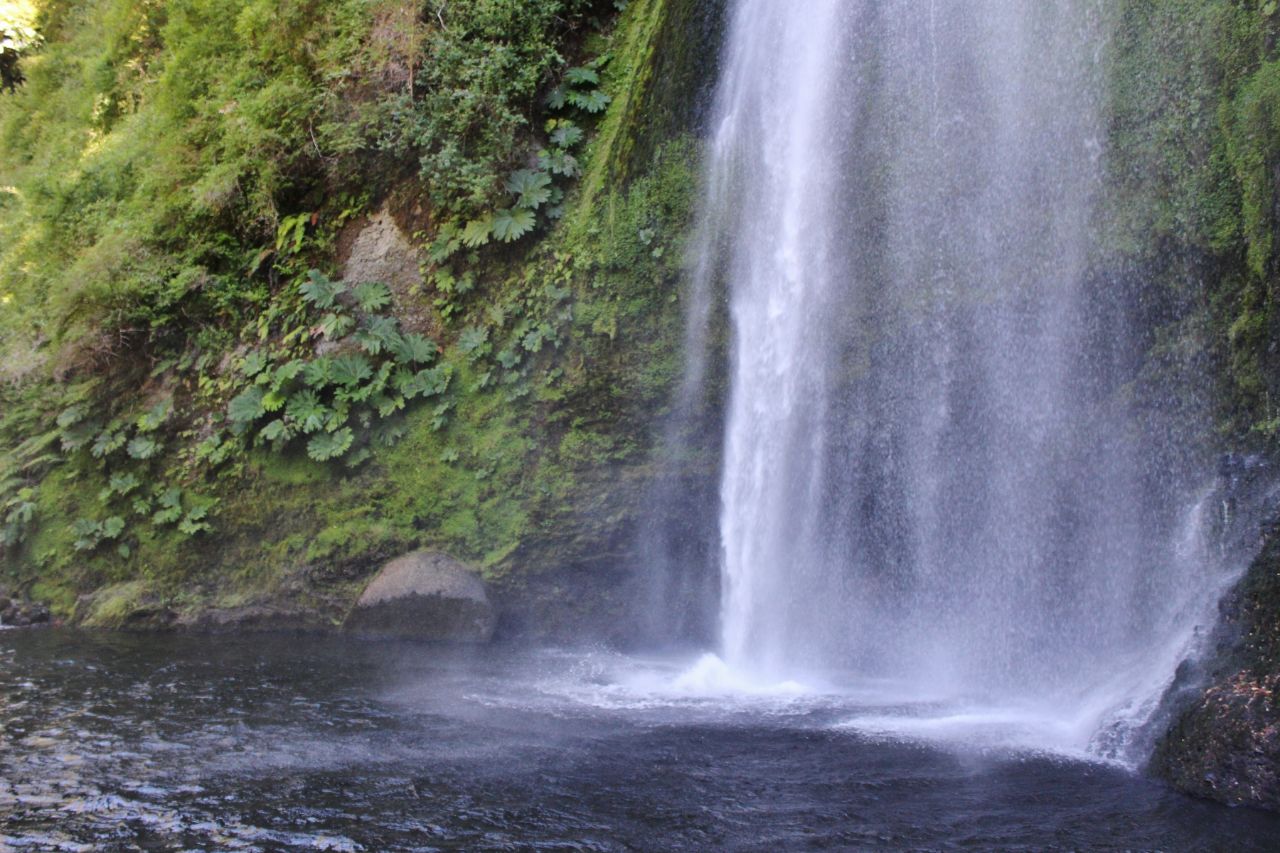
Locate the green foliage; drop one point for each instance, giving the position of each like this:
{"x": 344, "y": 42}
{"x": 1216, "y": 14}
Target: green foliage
{"x": 320, "y": 292}
{"x": 380, "y": 334}
{"x": 330, "y": 445}
{"x": 372, "y": 296}
{"x": 1194, "y": 139}
{"x": 350, "y": 370}
{"x": 511, "y": 225}
{"x": 532, "y": 189}
{"x": 593, "y": 102}
{"x": 90, "y": 534}
{"x": 306, "y": 410}
{"x": 213, "y": 184}
{"x": 477, "y": 231}
{"x": 142, "y": 447}
{"x": 469, "y": 112}
{"x": 246, "y": 406}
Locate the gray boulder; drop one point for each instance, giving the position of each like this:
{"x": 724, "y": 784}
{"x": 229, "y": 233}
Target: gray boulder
{"x": 425, "y": 595}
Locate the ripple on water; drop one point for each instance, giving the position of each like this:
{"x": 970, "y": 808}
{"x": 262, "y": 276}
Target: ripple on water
{"x": 277, "y": 744}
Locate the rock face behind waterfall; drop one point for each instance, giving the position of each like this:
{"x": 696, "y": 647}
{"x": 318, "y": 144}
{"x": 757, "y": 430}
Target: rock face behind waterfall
{"x": 425, "y": 595}
{"x": 1224, "y": 741}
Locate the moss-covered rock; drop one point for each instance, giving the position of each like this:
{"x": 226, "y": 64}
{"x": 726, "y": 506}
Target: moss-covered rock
{"x": 1224, "y": 741}
{"x": 425, "y": 595}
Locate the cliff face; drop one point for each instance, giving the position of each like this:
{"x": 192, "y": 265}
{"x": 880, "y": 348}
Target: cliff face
{"x": 1190, "y": 243}
{"x": 474, "y": 214}
{"x": 1224, "y": 739}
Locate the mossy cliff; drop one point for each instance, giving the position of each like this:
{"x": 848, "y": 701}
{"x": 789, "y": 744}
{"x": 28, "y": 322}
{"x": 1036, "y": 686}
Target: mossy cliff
{"x": 203, "y": 424}
{"x": 1189, "y": 242}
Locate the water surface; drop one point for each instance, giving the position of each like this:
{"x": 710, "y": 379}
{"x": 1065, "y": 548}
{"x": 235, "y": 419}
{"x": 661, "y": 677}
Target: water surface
{"x": 283, "y": 743}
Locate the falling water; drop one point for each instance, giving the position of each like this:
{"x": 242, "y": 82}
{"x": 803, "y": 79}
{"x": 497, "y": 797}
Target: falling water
{"x": 929, "y": 471}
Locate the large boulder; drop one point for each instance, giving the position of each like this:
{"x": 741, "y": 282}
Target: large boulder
{"x": 425, "y": 595}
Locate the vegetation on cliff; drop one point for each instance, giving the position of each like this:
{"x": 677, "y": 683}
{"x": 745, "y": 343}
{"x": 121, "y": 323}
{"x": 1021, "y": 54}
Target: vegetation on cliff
{"x": 181, "y": 183}
{"x": 1194, "y": 182}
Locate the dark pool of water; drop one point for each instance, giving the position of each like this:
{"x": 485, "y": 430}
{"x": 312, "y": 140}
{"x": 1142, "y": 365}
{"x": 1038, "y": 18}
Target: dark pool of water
{"x": 253, "y": 743}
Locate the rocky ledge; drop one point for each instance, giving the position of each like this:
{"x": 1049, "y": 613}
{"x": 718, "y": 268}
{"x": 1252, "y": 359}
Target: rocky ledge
{"x": 16, "y": 613}
{"x": 1224, "y": 739}
{"x": 1226, "y": 747}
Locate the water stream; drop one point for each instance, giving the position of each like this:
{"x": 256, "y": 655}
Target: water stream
{"x": 930, "y": 471}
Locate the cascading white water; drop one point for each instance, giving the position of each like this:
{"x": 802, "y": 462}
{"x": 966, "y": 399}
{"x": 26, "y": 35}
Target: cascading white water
{"x": 929, "y": 472}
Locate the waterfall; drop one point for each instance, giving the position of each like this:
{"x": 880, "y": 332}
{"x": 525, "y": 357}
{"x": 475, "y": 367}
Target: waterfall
{"x": 930, "y": 470}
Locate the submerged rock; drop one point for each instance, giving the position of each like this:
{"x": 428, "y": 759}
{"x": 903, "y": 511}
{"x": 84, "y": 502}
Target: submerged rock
{"x": 425, "y": 595}
{"x": 22, "y": 614}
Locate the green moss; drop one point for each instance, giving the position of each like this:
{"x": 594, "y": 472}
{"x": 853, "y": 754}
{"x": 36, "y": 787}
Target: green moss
{"x": 1194, "y": 108}
{"x": 114, "y": 606}
{"x": 291, "y": 469}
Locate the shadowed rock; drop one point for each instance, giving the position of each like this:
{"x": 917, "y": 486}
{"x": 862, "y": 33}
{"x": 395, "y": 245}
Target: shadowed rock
{"x": 426, "y": 595}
